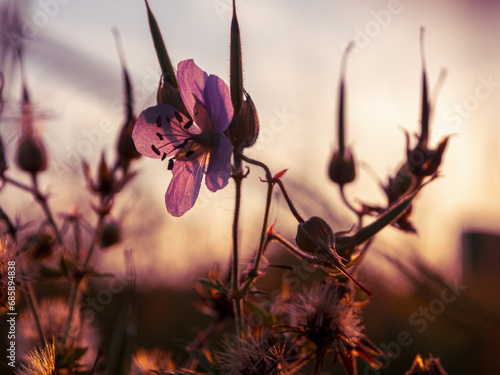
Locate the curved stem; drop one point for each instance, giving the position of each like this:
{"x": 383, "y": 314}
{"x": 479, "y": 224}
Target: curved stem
{"x": 299, "y": 253}
{"x": 350, "y": 206}
{"x": 294, "y": 211}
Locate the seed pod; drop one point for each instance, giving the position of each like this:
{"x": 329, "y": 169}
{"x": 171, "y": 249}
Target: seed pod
{"x": 342, "y": 169}
{"x": 111, "y": 234}
{"x": 313, "y": 235}
{"x": 244, "y": 128}
{"x": 31, "y": 155}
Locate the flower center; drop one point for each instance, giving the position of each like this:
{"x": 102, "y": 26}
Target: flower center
{"x": 187, "y": 144}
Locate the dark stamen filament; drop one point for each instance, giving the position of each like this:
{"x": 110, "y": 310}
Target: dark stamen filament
{"x": 181, "y": 145}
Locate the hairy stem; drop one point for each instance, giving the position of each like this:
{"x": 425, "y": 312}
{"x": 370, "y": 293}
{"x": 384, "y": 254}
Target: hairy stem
{"x": 30, "y": 297}
{"x": 237, "y": 295}
{"x": 42, "y": 200}
{"x": 263, "y": 241}
{"x": 294, "y": 211}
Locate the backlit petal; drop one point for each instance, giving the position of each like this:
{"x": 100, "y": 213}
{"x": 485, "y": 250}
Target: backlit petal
{"x": 184, "y": 186}
{"x": 219, "y": 165}
{"x": 217, "y": 99}
{"x": 191, "y": 80}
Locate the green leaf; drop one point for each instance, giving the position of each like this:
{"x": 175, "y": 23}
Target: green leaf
{"x": 202, "y": 359}
{"x": 213, "y": 285}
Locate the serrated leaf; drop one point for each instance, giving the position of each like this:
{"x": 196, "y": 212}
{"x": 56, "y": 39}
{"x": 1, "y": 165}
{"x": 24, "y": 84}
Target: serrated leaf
{"x": 213, "y": 285}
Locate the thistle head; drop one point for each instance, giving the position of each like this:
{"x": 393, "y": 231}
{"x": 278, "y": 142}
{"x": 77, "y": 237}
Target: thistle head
{"x": 327, "y": 316}
{"x": 39, "y": 361}
{"x": 256, "y": 354}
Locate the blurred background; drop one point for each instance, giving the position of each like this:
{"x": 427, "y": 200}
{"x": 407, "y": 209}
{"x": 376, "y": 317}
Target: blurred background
{"x": 291, "y": 54}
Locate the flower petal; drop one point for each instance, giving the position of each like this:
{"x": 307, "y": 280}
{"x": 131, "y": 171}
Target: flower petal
{"x": 184, "y": 186}
{"x": 191, "y": 80}
{"x": 159, "y": 130}
{"x": 217, "y": 99}
{"x": 219, "y": 164}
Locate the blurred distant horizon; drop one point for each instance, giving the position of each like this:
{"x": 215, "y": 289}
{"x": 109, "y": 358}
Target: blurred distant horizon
{"x": 291, "y": 54}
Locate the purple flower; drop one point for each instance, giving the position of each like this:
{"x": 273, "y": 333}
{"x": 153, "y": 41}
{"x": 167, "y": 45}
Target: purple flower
{"x": 191, "y": 146}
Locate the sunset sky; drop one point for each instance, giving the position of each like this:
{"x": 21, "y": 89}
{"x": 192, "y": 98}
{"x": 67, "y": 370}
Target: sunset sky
{"x": 291, "y": 54}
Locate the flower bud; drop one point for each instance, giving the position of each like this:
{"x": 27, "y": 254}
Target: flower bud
{"x": 168, "y": 94}
{"x": 313, "y": 235}
{"x": 40, "y": 246}
{"x": 111, "y": 234}
{"x": 106, "y": 179}
{"x": 316, "y": 237}
{"x": 31, "y": 155}
{"x": 342, "y": 169}
{"x": 126, "y": 147}
{"x": 244, "y": 128}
